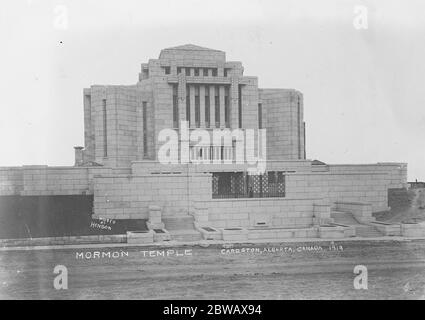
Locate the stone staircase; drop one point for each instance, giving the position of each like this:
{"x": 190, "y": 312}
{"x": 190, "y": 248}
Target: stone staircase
{"x": 366, "y": 231}
{"x": 182, "y": 228}
{"x": 179, "y": 223}
{"x": 362, "y": 230}
{"x": 345, "y": 218}
{"x": 185, "y": 235}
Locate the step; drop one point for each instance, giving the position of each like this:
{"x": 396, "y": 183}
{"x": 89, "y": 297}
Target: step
{"x": 185, "y": 235}
{"x": 345, "y": 218}
{"x": 179, "y": 223}
{"x": 367, "y": 231}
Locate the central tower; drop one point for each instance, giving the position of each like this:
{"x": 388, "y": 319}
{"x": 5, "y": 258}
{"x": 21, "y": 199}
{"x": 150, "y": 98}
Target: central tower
{"x": 193, "y": 84}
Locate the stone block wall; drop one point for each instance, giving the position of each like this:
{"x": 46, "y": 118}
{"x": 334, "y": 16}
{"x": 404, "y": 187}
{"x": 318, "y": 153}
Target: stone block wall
{"x": 275, "y": 212}
{"x": 250, "y": 103}
{"x": 196, "y": 57}
{"x": 332, "y": 187}
{"x": 396, "y": 172}
{"x": 282, "y": 113}
{"x": 361, "y": 211}
{"x": 176, "y": 187}
{"x": 51, "y": 181}
{"x": 359, "y": 183}
{"x": 129, "y": 196}
{"x": 89, "y": 134}
{"x": 284, "y": 123}
{"x": 54, "y": 181}
{"x": 123, "y": 110}
{"x": 163, "y": 98}
{"x": 128, "y": 105}
{"x": 11, "y": 180}
{"x": 124, "y": 117}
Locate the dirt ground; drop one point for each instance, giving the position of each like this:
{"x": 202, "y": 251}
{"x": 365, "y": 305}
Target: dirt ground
{"x": 322, "y": 270}
{"x": 411, "y": 210}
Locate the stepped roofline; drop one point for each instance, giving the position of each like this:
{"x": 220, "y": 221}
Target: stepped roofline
{"x": 191, "y": 47}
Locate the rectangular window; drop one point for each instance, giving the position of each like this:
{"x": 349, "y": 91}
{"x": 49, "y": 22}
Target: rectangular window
{"x": 175, "y": 107}
{"x": 197, "y": 72}
{"x": 214, "y": 72}
{"x": 276, "y": 184}
{"x": 271, "y": 177}
{"x": 299, "y": 127}
{"x": 105, "y": 130}
{"x": 217, "y": 106}
{"x": 207, "y": 106}
{"x": 187, "y": 104}
{"x": 179, "y": 70}
{"x": 187, "y": 70}
{"x": 280, "y": 177}
{"x": 227, "y": 107}
{"x": 205, "y": 72}
{"x": 305, "y": 156}
{"x": 145, "y": 129}
{"x": 242, "y": 185}
{"x": 197, "y": 107}
{"x": 167, "y": 70}
{"x": 260, "y": 116}
{"x": 240, "y": 105}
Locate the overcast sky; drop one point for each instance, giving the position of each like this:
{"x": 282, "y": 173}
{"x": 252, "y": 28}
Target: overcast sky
{"x": 364, "y": 97}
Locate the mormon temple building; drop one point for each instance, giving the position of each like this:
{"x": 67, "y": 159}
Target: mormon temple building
{"x": 206, "y": 193}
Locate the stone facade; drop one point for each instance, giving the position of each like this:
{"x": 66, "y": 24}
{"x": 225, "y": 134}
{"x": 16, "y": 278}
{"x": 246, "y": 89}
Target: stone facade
{"x": 119, "y": 163}
{"x": 122, "y": 123}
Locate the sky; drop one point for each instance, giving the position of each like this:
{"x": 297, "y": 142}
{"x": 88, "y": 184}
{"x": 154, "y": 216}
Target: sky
{"x": 359, "y": 64}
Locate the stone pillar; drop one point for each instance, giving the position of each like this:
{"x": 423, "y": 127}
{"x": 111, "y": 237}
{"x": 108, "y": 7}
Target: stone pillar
{"x": 222, "y": 109}
{"x": 201, "y": 215}
{"x": 155, "y": 218}
{"x": 78, "y": 156}
{"x": 202, "y": 106}
{"x": 321, "y": 214}
{"x": 182, "y": 98}
{"x": 212, "y": 107}
{"x": 173, "y": 69}
{"x": 234, "y": 103}
{"x": 184, "y": 143}
{"x": 192, "y": 106}
{"x": 220, "y": 72}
